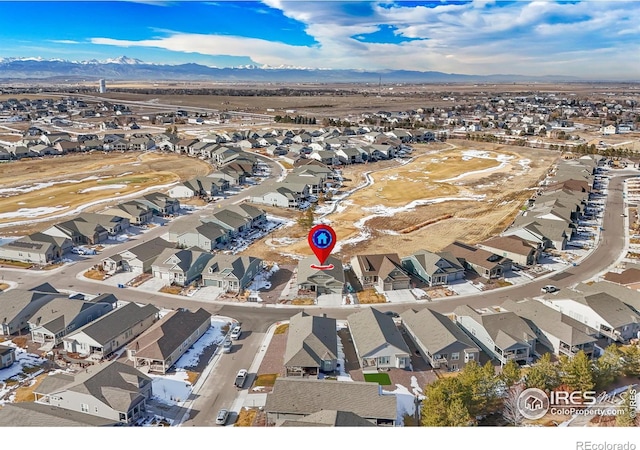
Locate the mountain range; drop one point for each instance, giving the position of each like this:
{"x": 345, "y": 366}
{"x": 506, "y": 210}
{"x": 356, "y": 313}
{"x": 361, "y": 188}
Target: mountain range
{"x": 125, "y": 68}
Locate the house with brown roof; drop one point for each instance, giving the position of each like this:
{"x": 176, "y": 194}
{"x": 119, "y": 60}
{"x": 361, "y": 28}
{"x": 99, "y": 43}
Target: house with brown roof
{"x": 158, "y": 348}
{"x": 518, "y": 250}
{"x": 484, "y": 263}
{"x": 382, "y": 271}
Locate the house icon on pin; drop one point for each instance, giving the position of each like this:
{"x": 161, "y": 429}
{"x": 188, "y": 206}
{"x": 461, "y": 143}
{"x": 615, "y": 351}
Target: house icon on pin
{"x": 323, "y": 239}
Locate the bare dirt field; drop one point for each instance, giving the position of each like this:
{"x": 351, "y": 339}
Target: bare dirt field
{"x": 50, "y": 186}
{"x": 472, "y": 191}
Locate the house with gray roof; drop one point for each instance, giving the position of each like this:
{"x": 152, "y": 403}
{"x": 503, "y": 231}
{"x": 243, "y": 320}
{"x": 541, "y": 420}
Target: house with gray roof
{"x": 160, "y": 204}
{"x": 329, "y": 418}
{"x": 558, "y": 332}
{"x": 256, "y": 216}
{"x": 181, "y": 266}
{"x": 29, "y": 251}
{"x": 502, "y": 335}
{"x": 295, "y": 399}
{"x": 283, "y": 196}
{"x": 50, "y": 323}
{"x": 630, "y": 297}
{"x": 111, "y": 390}
{"x": 207, "y": 236}
{"x": 113, "y": 224}
{"x": 138, "y": 259}
{"x": 377, "y": 341}
{"x": 160, "y": 347}
{"x": 231, "y": 221}
{"x": 312, "y": 346}
{"x": 18, "y": 305}
{"x": 135, "y": 212}
{"x": 79, "y": 231}
{"x": 441, "y": 342}
{"x": 383, "y": 271}
{"x": 107, "y": 334}
{"x": 610, "y": 316}
{"x": 435, "y": 269}
{"x": 230, "y": 272}
{"x": 7, "y": 356}
{"x": 32, "y": 414}
{"x": 321, "y": 282}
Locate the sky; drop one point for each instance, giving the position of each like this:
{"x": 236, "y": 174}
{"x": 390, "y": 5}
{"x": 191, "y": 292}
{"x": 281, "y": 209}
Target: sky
{"x": 595, "y": 39}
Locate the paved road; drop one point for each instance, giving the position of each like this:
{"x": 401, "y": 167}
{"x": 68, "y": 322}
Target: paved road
{"x": 218, "y": 391}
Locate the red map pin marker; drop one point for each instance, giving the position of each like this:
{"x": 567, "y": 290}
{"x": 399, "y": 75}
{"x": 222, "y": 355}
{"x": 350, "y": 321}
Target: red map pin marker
{"x": 322, "y": 239}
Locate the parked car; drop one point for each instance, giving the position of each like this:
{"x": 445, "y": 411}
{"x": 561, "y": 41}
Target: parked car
{"x": 222, "y": 417}
{"x": 550, "y": 289}
{"x": 393, "y": 314}
{"x": 241, "y": 378}
{"x": 236, "y": 332}
{"x": 227, "y": 345}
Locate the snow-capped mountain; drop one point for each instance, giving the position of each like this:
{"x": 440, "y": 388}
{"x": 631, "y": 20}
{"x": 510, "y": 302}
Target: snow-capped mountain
{"x": 126, "y": 68}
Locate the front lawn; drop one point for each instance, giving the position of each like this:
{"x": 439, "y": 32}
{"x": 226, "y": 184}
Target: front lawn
{"x": 381, "y": 378}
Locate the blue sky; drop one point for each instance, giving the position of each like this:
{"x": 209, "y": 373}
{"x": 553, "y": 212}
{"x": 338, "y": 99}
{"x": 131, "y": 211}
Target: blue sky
{"x": 593, "y": 39}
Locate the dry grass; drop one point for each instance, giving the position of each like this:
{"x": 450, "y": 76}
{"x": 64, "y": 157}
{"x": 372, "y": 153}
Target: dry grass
{"x": 267, "y": 379}
{"x": 3, "y": 286}
{"x": 192, "y": 377}
{"x": 281, "y": 329}
{"x": 503, "y": 283}
{"x": 22, "y": 265}
{"x": 20, "y": 341}
{"x": 303, "y": 301}
{"x": 94, "y": 274}
{"x": 128, "y": 172}
{"x": 25, "y": 393}
{"x": 171, "y": 290}
{"x": 246, "y": 417}
{"x": 370, "y": 296}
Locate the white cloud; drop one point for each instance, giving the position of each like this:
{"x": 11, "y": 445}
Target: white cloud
{"x": 482, "y": 37}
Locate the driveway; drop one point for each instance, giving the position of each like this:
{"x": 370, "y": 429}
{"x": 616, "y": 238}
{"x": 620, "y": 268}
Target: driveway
{"x": 329, "y": 300}
{"x": 400, "y": 296}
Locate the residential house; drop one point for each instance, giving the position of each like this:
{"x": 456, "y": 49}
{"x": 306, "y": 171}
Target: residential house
{"x": 133, "y": 211}
{"x": 517, "y": 249}
{"x": 32, "y": 414}
{"x": 611, "y": 317}
{"x": 7, "y": 356}
{"x": 295, "y": 399}
{"x": 482, "y": 262}
{"x": 281, "y": 197}
{"x": 161, "y": 204}
{"x": 26, "y": 250}
{"x": 313, "y": 182}
{"x": 231, "y": 273}
{"x": 558, "y": 332}
{"x": 115, "y": 329}
{"x": 79, "y": 231}
{"x": 627, "y": 295}
{"x": 321, "y": 282}
{"x": 329, "y": 418}
{"x": 50, "y": 323}
{"x": 435, "y": 269}
{"x": 233, "y": 222}
{"x": 18, "y": 305}
{"x": 160, "y": 347}
{"x": 110, "y": 390}
{"x": 181, "y": 267}
{"x": 378, "y": 343}
{"x": 502, "y": 335}
{"x": 312, "y": 346}
{"x": 383, "y": 271}
{"x": 113, "y": 224}
{"x": 441, "y": 343}
{"x": 207, "y": 236}
{"x": 137, "y": 259}
{"x": 255, "y": 216}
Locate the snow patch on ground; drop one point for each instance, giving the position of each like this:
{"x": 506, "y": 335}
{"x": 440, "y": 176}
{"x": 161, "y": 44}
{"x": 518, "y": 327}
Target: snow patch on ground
{"x": 32, "y": 212}
{"x": 261, "y": 281}
{"x": 406, "y": 402}
{"x": 103, "y": 188}
{"x": 470, "y": 154}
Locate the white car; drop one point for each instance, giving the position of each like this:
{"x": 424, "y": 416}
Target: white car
{"x": 222, "y": 416}
{"x": 236, "y": 332}
{"x": 550, "y": 289}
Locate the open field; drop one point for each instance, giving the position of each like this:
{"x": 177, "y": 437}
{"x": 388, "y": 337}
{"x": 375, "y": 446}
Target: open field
{"x": 36, "y": 189}
{"x": 468, "y": 192}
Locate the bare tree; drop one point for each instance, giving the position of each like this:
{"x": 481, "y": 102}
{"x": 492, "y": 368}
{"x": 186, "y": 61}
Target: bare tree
{"x": 510, "y": 410}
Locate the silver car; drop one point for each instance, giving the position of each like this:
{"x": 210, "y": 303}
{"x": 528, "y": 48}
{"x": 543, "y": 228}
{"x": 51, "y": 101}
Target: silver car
{"x": 222, "y": 416}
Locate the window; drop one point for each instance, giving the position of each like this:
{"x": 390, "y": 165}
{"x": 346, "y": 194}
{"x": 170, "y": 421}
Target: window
{"x": 384, "y": 360}
{"x": 455, "y": 356}
{"x": 470, "y": 356}
{"x": 84, "y": 407}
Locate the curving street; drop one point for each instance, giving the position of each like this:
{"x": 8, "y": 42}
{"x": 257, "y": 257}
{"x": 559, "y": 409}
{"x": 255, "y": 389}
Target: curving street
{"x": 217, "y": 390}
